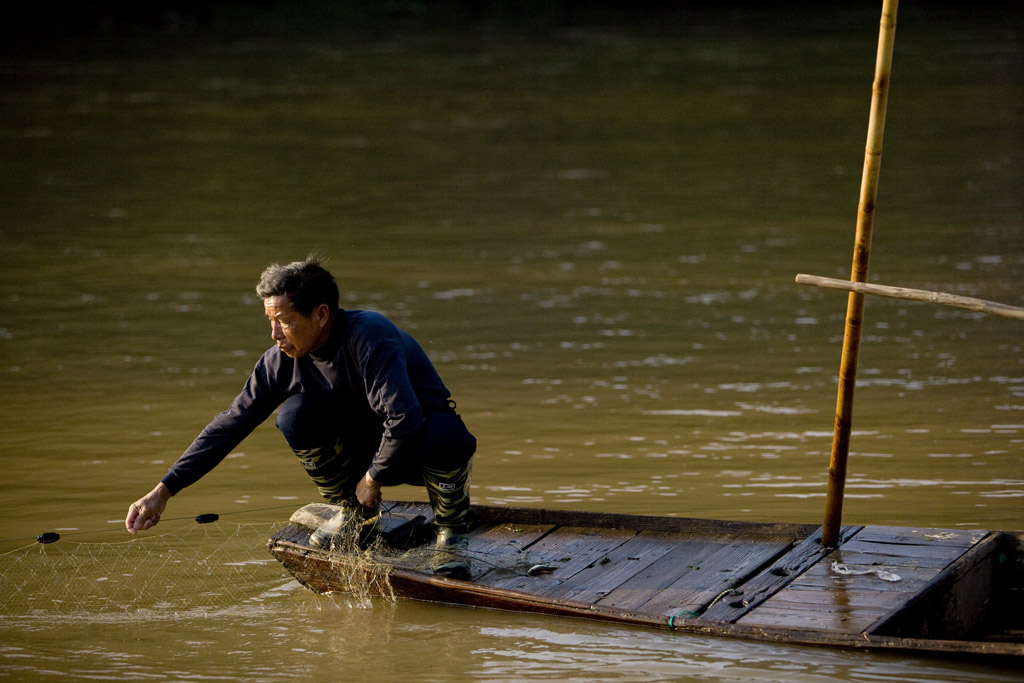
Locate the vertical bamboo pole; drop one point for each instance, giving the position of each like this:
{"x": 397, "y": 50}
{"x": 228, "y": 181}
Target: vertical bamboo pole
{"x": 859, "y": 273}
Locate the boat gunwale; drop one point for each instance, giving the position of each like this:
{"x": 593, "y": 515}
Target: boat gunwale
{"x": 493, "y": 514}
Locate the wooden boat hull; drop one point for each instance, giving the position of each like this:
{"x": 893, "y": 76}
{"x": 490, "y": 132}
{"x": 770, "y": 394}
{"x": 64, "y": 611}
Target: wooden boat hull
{"x": 927, "y": 590}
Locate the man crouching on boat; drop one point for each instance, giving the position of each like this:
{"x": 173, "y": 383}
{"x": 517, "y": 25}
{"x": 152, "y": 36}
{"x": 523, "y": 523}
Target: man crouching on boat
{"x": 358, "y": 402}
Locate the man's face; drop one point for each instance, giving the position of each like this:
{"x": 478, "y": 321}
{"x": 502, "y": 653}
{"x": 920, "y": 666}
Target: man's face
{"x": 296, "y": 334}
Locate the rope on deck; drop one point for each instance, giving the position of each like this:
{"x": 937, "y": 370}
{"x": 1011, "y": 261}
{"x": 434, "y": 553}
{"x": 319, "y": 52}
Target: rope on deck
{"x": 688, "y": 614}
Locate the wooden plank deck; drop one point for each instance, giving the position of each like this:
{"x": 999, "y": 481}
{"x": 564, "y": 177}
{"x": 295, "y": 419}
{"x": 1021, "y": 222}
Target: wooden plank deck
{"x": 700, "y": 582}
{"x": 654, "y": 572}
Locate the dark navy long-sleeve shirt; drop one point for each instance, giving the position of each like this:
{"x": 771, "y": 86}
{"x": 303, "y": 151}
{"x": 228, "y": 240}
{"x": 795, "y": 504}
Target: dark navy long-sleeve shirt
{"x": 374, "y": 374}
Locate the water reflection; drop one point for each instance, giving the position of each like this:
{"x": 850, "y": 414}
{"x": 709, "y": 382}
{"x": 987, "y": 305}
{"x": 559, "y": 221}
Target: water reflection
{"x": 546, "y": 651}
{"x": 594, "y": 236}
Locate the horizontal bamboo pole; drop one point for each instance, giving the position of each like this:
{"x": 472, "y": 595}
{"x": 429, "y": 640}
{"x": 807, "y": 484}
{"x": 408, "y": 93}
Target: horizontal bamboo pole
{"x": 981, "y": 305}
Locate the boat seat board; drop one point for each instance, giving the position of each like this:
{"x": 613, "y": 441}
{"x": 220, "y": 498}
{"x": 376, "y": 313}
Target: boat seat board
{"x": 911, "y": 536}
{"x": 824, "y": 597}
{"x": 958, "y": 602}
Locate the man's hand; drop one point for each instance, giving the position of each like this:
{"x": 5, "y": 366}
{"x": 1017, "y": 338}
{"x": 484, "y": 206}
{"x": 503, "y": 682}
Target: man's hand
{"x": 145, "y": 512}
{"x": 368, "y": 491}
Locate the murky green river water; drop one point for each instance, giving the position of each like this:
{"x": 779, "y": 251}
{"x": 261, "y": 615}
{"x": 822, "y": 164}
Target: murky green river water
{"x": 594, "y": 234}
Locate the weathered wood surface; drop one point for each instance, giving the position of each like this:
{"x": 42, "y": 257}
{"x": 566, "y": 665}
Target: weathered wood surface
{"x": 825, "y": 598}
{"x": 696, "y": 588}
{"x": 773, "y": 582}
{"x": 775, "y": 577}
{"x": 954, "y": 603}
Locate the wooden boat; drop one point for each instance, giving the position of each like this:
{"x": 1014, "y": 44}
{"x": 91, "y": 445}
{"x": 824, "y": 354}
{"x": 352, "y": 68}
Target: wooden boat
{"x": 957, "y": 592}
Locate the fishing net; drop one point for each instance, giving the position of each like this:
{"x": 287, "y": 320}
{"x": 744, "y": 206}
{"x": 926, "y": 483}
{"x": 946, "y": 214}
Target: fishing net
{"x": 194, "y": 568}
{"x": 360, "y": 553}
{"x": 359, "y": 558}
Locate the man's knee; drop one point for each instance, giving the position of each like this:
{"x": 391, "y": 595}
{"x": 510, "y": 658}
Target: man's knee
{"x": 447, "y": 444}
{"x": 305, "y": 423}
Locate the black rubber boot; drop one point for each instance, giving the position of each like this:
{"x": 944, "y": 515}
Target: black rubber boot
{"x": 449, "y": 498}
{"x": 450, "y": 554}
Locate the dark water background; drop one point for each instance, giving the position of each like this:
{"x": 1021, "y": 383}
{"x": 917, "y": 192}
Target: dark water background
{"x": 592, "y": 228}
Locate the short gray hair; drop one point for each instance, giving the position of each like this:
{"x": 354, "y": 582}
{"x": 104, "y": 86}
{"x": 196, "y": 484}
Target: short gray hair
{"x": 306, "y": 284}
